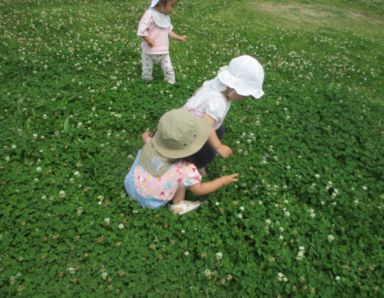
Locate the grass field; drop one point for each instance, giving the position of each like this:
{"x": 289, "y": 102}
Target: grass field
{"x": 306, "y": 217}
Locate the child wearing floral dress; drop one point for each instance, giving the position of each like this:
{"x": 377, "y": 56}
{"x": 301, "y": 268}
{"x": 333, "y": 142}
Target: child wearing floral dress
{"x": 161, "y": 171}
{"x": 243, "y": 77}
{"x": 155, "y": 28}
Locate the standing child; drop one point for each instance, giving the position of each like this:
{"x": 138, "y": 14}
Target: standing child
{"x": 243, "y": 77}
{"x": 161, "y": 171}
{"x": 155, "y": 27}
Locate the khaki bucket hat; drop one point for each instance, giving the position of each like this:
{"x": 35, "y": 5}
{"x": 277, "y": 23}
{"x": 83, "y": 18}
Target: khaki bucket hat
{"x": 179, "y": 134}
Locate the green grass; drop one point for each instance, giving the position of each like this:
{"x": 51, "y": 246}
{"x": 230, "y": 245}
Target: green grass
{"x": 310, "y": 152}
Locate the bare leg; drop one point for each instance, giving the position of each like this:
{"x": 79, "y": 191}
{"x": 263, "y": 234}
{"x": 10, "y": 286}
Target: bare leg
{"x": 179, "y": 195}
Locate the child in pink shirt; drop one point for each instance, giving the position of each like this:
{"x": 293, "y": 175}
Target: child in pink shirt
{"x": 161, "y": 171}
{"x": 155, "y": 27}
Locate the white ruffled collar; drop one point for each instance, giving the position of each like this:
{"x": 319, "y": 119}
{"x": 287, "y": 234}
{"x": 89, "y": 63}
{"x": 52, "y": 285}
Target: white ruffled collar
{"x": 162, "y": 20}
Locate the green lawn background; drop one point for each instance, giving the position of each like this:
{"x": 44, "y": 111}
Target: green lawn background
{"x": 310, "y": 152}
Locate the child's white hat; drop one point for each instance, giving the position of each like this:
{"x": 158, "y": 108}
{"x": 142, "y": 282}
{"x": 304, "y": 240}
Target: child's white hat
{"x": 244, "y": 74}
{"x": 154, "y": 3}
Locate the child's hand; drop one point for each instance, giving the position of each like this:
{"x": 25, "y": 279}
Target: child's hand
{"x": 146, "y": 136}
{"x": 226, "y": 180}
{"x": 149, "y": 41}
{"x": 224, "y": 151}
{"x": 183, "y": 38}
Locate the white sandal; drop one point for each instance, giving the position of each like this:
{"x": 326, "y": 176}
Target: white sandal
{"x": 185, "y": 206}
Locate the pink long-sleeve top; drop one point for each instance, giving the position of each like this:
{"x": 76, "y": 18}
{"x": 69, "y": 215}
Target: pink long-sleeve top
{"x": 148, "y": 27}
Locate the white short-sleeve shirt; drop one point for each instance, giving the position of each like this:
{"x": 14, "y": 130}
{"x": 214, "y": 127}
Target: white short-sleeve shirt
{"x": 211, "y": 101}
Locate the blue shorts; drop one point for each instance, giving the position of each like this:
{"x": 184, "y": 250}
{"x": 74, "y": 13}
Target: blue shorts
{"x": 129, "y": 184}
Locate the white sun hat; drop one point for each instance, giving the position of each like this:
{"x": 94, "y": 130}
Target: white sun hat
{"x": 244, "y": 74}
{"x": 154, "y": 3}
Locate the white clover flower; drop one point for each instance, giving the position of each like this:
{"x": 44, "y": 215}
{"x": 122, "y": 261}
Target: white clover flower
{"x": 183, "y": 231}
{"x": 219, "y": 255}
{"x": 301, "y": 248}
{"x": 239, "y": 215}
{"x": 241, "y": 208}
{"x": 121, "y": 226}
{"x": 281, "y": 237}
{"x": 107, "y": 220}
{"x": 79, "y": 211}
{"x": 186, "y": 253}
{"x": 337, "y": 277}
{"x": 38, "y": 169}
{"x": 207, "y": 273}
{"x": 62, "y": 194}
{"x": 7, "y": 158}
{"x": 35, "y": 135}
{"x": 287, "y": 213}
{"x": 13, "y": 146}
{"x": 317, "y": 176}
{"x": 365, "y": 187}
{"x": 280, "y": 276}
{"x": 217, "y": 203}
{"x": 77, "y": 173}
{"x": 268, "y": 221}
{"x": 330, "y": 238}
{"x": 12, "y": 280}
{"x": 71, "y": 270}
{"x": 285, "y": 279}
{"x": 104, "y": 275}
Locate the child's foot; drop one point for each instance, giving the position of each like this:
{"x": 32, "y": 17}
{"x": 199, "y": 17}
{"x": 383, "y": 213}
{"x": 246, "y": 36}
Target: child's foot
{"x": 172, "y": 82}
{"x": 185, "y": 206}
{"x": 203, "y": 172}
{"x": 146, "y": 79}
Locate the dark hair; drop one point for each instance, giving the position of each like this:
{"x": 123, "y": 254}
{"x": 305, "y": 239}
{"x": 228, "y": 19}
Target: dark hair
{"x": 188, "y": 159}
{"x": 163, "y": 2}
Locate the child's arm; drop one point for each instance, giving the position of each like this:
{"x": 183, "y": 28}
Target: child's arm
{"x": 201, "y": 189}
{"x": 143, "y": 27}
{"x": 149, "y": 41}
{"x": 175, "y": 36}
{"x": 223, "y": 150}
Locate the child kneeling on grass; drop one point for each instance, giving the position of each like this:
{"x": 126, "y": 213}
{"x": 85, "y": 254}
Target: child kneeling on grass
{"x": 161, "y": 171}
{"x": 243, "y": 77}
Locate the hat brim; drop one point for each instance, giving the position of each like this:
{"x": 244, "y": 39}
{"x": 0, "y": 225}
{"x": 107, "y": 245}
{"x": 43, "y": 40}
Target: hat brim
{"x": 154, "y": 3}
{"x": 204, "y": 130}
{"x": 152, "y": 161}
{"x": 242, "y": 89}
